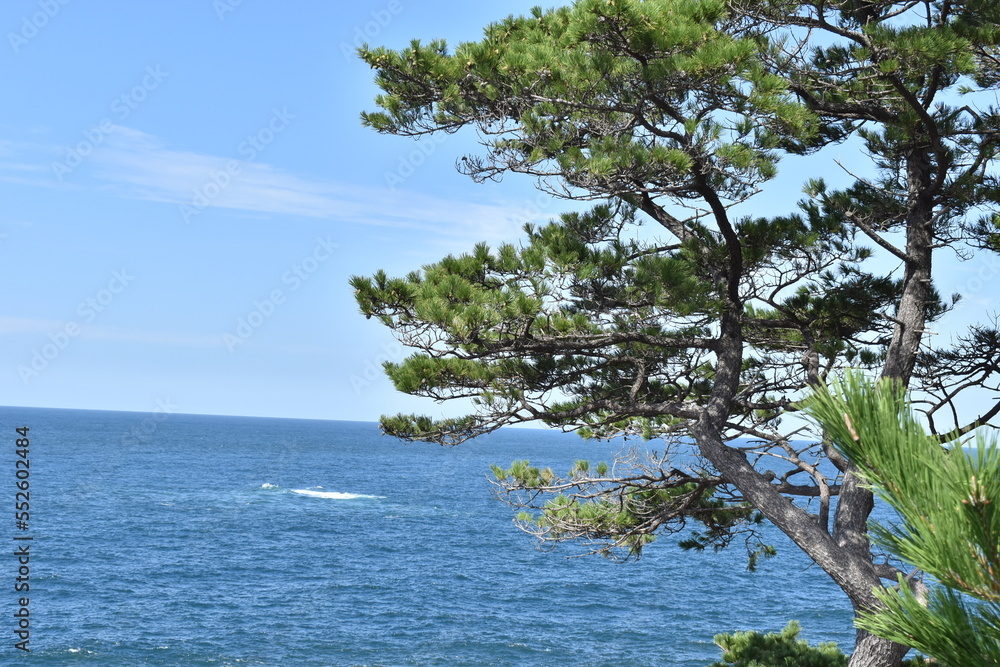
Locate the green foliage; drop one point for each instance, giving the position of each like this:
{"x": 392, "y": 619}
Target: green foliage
{"x": 623, "y": 514}
{"x": 502, "y": 311}
{"x": 718, "y": 532}
{"x": 680, "y": 101}
{"x": 784, "y": 649}
{"x": 948, "y": 503}
{"x": 600, "y": 51}
{"x": 706, "y": 326}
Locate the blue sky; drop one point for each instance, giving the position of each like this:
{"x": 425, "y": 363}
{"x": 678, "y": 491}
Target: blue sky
{"x": 187, "y": 189}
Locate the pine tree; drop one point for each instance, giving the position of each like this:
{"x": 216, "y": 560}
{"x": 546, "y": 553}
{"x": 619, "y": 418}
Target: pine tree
{"x": 665, "y": 312}
{"x": 948, "y": 505}
{"x": 753, "y": 649}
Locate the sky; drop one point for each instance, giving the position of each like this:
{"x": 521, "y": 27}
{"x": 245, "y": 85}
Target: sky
{"x": 187, "y": 190}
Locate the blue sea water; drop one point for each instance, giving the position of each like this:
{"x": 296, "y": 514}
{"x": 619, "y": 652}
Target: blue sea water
{"x": 203, "y": 540}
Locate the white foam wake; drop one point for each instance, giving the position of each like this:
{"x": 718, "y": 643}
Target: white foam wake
{"x": 334, "y": 495}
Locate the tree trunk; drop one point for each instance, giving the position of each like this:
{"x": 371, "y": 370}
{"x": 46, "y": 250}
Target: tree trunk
{"x": 845, "y": 555}
{"x": 872, "y": 651}
{"x": 911, "y": 316}
{"x": 911, "y": 319}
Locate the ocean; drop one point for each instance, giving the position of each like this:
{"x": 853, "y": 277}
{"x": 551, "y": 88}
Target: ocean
{"x": 168, "y": 539}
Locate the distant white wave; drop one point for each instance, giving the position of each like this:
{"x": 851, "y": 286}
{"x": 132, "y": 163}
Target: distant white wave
{"x": 334, "y": 495}
{"x": 318, "y": 492}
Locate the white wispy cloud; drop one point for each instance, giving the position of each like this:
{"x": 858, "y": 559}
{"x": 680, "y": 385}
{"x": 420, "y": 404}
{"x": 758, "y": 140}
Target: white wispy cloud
{"x": 133, "y": 164}
{"x": 21, "y": 167}
{"x": 45, "y": 327}
{"x": 13, "y": 325}
{"x": 138, "y": 165}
